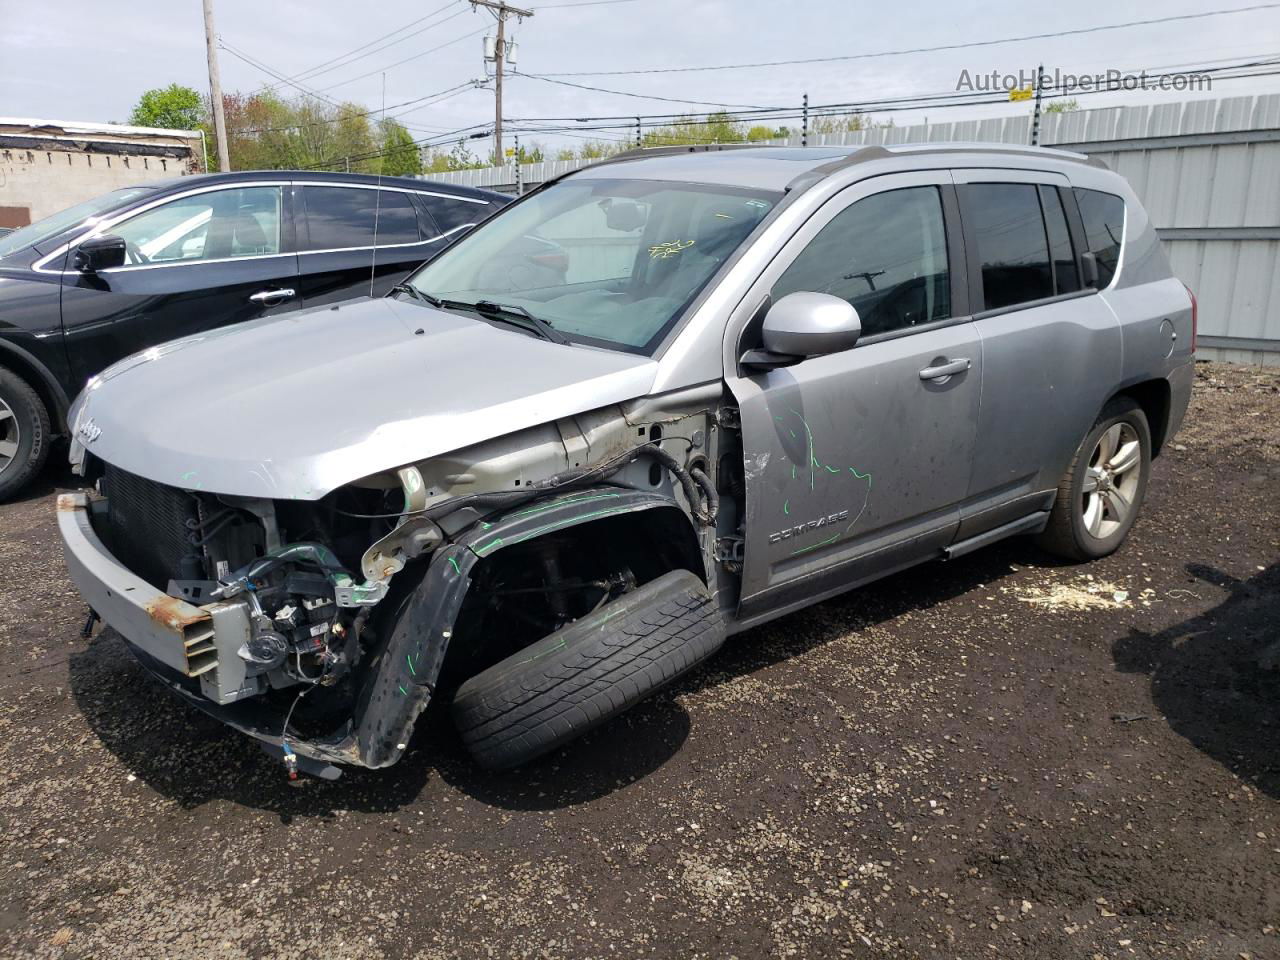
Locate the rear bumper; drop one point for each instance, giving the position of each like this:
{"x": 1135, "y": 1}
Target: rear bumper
{"x": 1180, "y": 380}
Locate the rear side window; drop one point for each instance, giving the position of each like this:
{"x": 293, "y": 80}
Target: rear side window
{"x": 886, "y": 254}
{"x": 343, "y": 217}
{"x": 1066, "y": 278}
{"x": 1012, "y": 246}
{"x": 1103, "y": 216}
{"x": 451, "y": 215}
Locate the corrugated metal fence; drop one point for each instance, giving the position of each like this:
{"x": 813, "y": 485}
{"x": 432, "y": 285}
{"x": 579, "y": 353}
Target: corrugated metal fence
{"x": 1208, "y": 172}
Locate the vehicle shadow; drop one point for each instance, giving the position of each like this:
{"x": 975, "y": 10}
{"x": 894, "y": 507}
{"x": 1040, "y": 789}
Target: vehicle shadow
{"x": 193, "y": 759}
{"x": 56, "y": 477}
{"x": 1207, "y": 678}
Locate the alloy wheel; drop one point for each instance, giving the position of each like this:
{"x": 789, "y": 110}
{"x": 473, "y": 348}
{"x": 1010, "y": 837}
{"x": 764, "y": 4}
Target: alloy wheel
{"x": 9, "y": 436}
{"x": 1111, "y": 482}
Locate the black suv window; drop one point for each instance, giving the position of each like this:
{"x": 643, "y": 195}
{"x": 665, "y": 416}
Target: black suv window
{"x": 1012, "y": 246}
{"x": 451, "y": 215}
{"x": 886, "y": 255}
{"x": 343, "y": 217}
{"x": 1103, "y": 216}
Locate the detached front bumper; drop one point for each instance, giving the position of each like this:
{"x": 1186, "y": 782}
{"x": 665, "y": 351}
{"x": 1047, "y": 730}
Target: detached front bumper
{"x": 182, "y": 645}
{"x": 192, "y": 650}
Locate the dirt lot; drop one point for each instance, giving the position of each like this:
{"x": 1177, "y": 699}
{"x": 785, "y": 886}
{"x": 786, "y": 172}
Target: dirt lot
{"x": 996, "y": 757}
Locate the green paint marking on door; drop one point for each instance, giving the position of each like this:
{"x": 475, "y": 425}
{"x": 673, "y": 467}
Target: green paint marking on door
{"x": 403, "y": 690}
{"x": 815, "y": 546}
{"x": 409, "y": 659}
{"x": 456, "y": 569}
{"x": 786, "y": 507}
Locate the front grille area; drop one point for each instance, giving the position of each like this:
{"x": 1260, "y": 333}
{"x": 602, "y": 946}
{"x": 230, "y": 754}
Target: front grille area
{"x": 146, "y": 525}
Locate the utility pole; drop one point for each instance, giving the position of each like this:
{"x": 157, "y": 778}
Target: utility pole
{"x": 501, "y": 10}
{"x": 804, "y": 128}
{"x": 1035, "y": 121}
{"x": 639, "y": 135}
{"x": 215, "y": 89}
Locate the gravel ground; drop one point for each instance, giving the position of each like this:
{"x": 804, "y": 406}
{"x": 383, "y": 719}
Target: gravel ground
{"x": 999, "y": 756}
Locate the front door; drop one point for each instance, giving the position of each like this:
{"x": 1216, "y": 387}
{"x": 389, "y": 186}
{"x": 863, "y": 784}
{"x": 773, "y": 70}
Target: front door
{"x": 203, "y": 260}
{"x": 856, "y": 463}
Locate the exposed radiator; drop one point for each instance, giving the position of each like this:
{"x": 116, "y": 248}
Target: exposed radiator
{"x": 146, "y": 525}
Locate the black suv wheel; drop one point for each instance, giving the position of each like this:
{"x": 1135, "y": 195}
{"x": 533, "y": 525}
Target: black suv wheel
{"x": 24, "y": 433}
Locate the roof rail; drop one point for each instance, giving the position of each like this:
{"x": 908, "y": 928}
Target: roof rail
{"x": 636, "y": 153}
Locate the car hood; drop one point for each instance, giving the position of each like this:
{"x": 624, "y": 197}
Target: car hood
{"x": 295, "y": 406}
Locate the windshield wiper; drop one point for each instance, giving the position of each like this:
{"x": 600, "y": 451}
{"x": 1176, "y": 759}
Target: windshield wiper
{"x": 415, "y": 293}
{"x": 516, "y": 316}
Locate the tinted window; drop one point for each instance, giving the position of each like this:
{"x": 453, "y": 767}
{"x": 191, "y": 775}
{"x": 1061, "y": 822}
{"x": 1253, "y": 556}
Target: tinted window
{"x": 1065, "y": 277}
{"x": 243, "y": 222}
{"x": 1012, "y": 247}
{"x": 1103, "y": 216}
{"x": 886, "y": 255}
{"x": 450, "y": 215}
{"x": 340, "y": 217}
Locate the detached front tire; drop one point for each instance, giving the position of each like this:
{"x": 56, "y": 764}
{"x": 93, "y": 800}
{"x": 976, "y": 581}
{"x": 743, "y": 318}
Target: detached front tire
{"x": 1103, "y": 489}
{"x": 557, "y": 689}
{"x": 25, "y": 433}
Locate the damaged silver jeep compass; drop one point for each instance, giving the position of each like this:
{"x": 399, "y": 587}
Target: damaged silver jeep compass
{"x": 646, "y": 406}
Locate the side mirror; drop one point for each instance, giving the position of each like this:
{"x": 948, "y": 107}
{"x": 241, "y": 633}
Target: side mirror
{"x": 804, "y": 325}
{"x": 1089, "y": 263}
{"x": 100, "y": 253}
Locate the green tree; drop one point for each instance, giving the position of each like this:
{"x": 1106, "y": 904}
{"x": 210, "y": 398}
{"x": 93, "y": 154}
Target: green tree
{"x": 400, "y": 155}
{"x": 174, "y": 107}
{"x": 1063, "y": 106}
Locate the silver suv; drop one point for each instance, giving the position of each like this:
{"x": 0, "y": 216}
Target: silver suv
{"x": 649, "y": 405}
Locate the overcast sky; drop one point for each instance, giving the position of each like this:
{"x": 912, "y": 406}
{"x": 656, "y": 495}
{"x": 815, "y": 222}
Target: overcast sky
{"x": 83, "y": 60}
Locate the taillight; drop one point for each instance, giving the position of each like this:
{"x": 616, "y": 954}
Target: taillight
{"x": 1195, "y": 317}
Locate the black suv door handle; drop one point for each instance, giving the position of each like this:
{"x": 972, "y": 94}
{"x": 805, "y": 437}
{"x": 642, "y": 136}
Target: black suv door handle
{"x": 272, "y": 296}
{"x": 944, "y": 370}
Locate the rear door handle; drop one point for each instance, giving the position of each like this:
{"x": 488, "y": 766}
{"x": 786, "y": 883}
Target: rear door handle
{"x": 272, "y": 296}
{"x": 944, "y": 370}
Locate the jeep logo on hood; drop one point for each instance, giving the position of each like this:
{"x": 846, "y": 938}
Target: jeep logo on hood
{"x": 88, "y": 432}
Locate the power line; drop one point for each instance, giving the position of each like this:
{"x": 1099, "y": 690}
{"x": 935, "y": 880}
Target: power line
{"x": 368, "y": 113}
{"x": 623, "y": 93}
{"x": 416, "y": 56}
{"x": 324, "y": 66}
{"x": 935, "y": 49}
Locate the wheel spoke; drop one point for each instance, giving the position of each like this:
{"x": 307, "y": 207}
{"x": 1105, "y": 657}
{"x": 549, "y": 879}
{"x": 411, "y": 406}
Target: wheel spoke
{"x": 8, "y": 449}
{"x": 1108, "y": 442}
{"x": 1117, "y": 505}
{"x": 1091, "y": 478}
{"x": 5, "y": 413}
{"x": 1093, "y": 515}
{"x": 1126, "y": 457}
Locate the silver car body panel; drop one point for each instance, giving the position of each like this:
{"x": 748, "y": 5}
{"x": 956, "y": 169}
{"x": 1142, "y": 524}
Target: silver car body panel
{"x": 308, "y": 402}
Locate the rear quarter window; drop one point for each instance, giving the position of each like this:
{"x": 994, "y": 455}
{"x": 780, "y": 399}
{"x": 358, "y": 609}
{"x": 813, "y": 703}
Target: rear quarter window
{"x": 1103, "y": 216}
{"x": 456, "y": 215}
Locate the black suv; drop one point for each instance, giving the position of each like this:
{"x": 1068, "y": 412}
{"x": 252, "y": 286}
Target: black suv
{"x": 146, "y": 264}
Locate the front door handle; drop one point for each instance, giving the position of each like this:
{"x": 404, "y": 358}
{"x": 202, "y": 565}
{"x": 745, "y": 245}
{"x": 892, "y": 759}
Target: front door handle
{"x": 948, "y": 369}
{"x": 272, "y": 296}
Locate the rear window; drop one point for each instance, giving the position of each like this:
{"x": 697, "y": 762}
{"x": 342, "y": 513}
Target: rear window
{"x": 1012, "y": 245}
{"x": 453, "y": 215}
{"x": 1103, "y": 216}
{"x": 343, "y": 217}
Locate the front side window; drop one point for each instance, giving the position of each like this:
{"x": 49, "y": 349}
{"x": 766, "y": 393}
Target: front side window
{"x": 82, "y": 214}
{"x": 1103, "y": 216}
{"x": 886, "y": 255}
{"x": 608, "y": 261}
{"x": 342, "y": 217}
{"x": 1012, "y": 246}
{"x": 242, "y": 222}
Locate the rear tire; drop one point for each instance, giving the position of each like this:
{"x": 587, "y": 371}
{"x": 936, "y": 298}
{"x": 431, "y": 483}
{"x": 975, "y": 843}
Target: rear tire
{"x": 25, "y": 433}
{"x": 1103, "y": 489}
{"x": 557, "y": 689}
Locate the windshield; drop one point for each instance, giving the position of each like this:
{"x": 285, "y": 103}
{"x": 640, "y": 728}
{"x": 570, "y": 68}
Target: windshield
{"x": 607, "y": 261}
{"x": 59, "y": 222}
